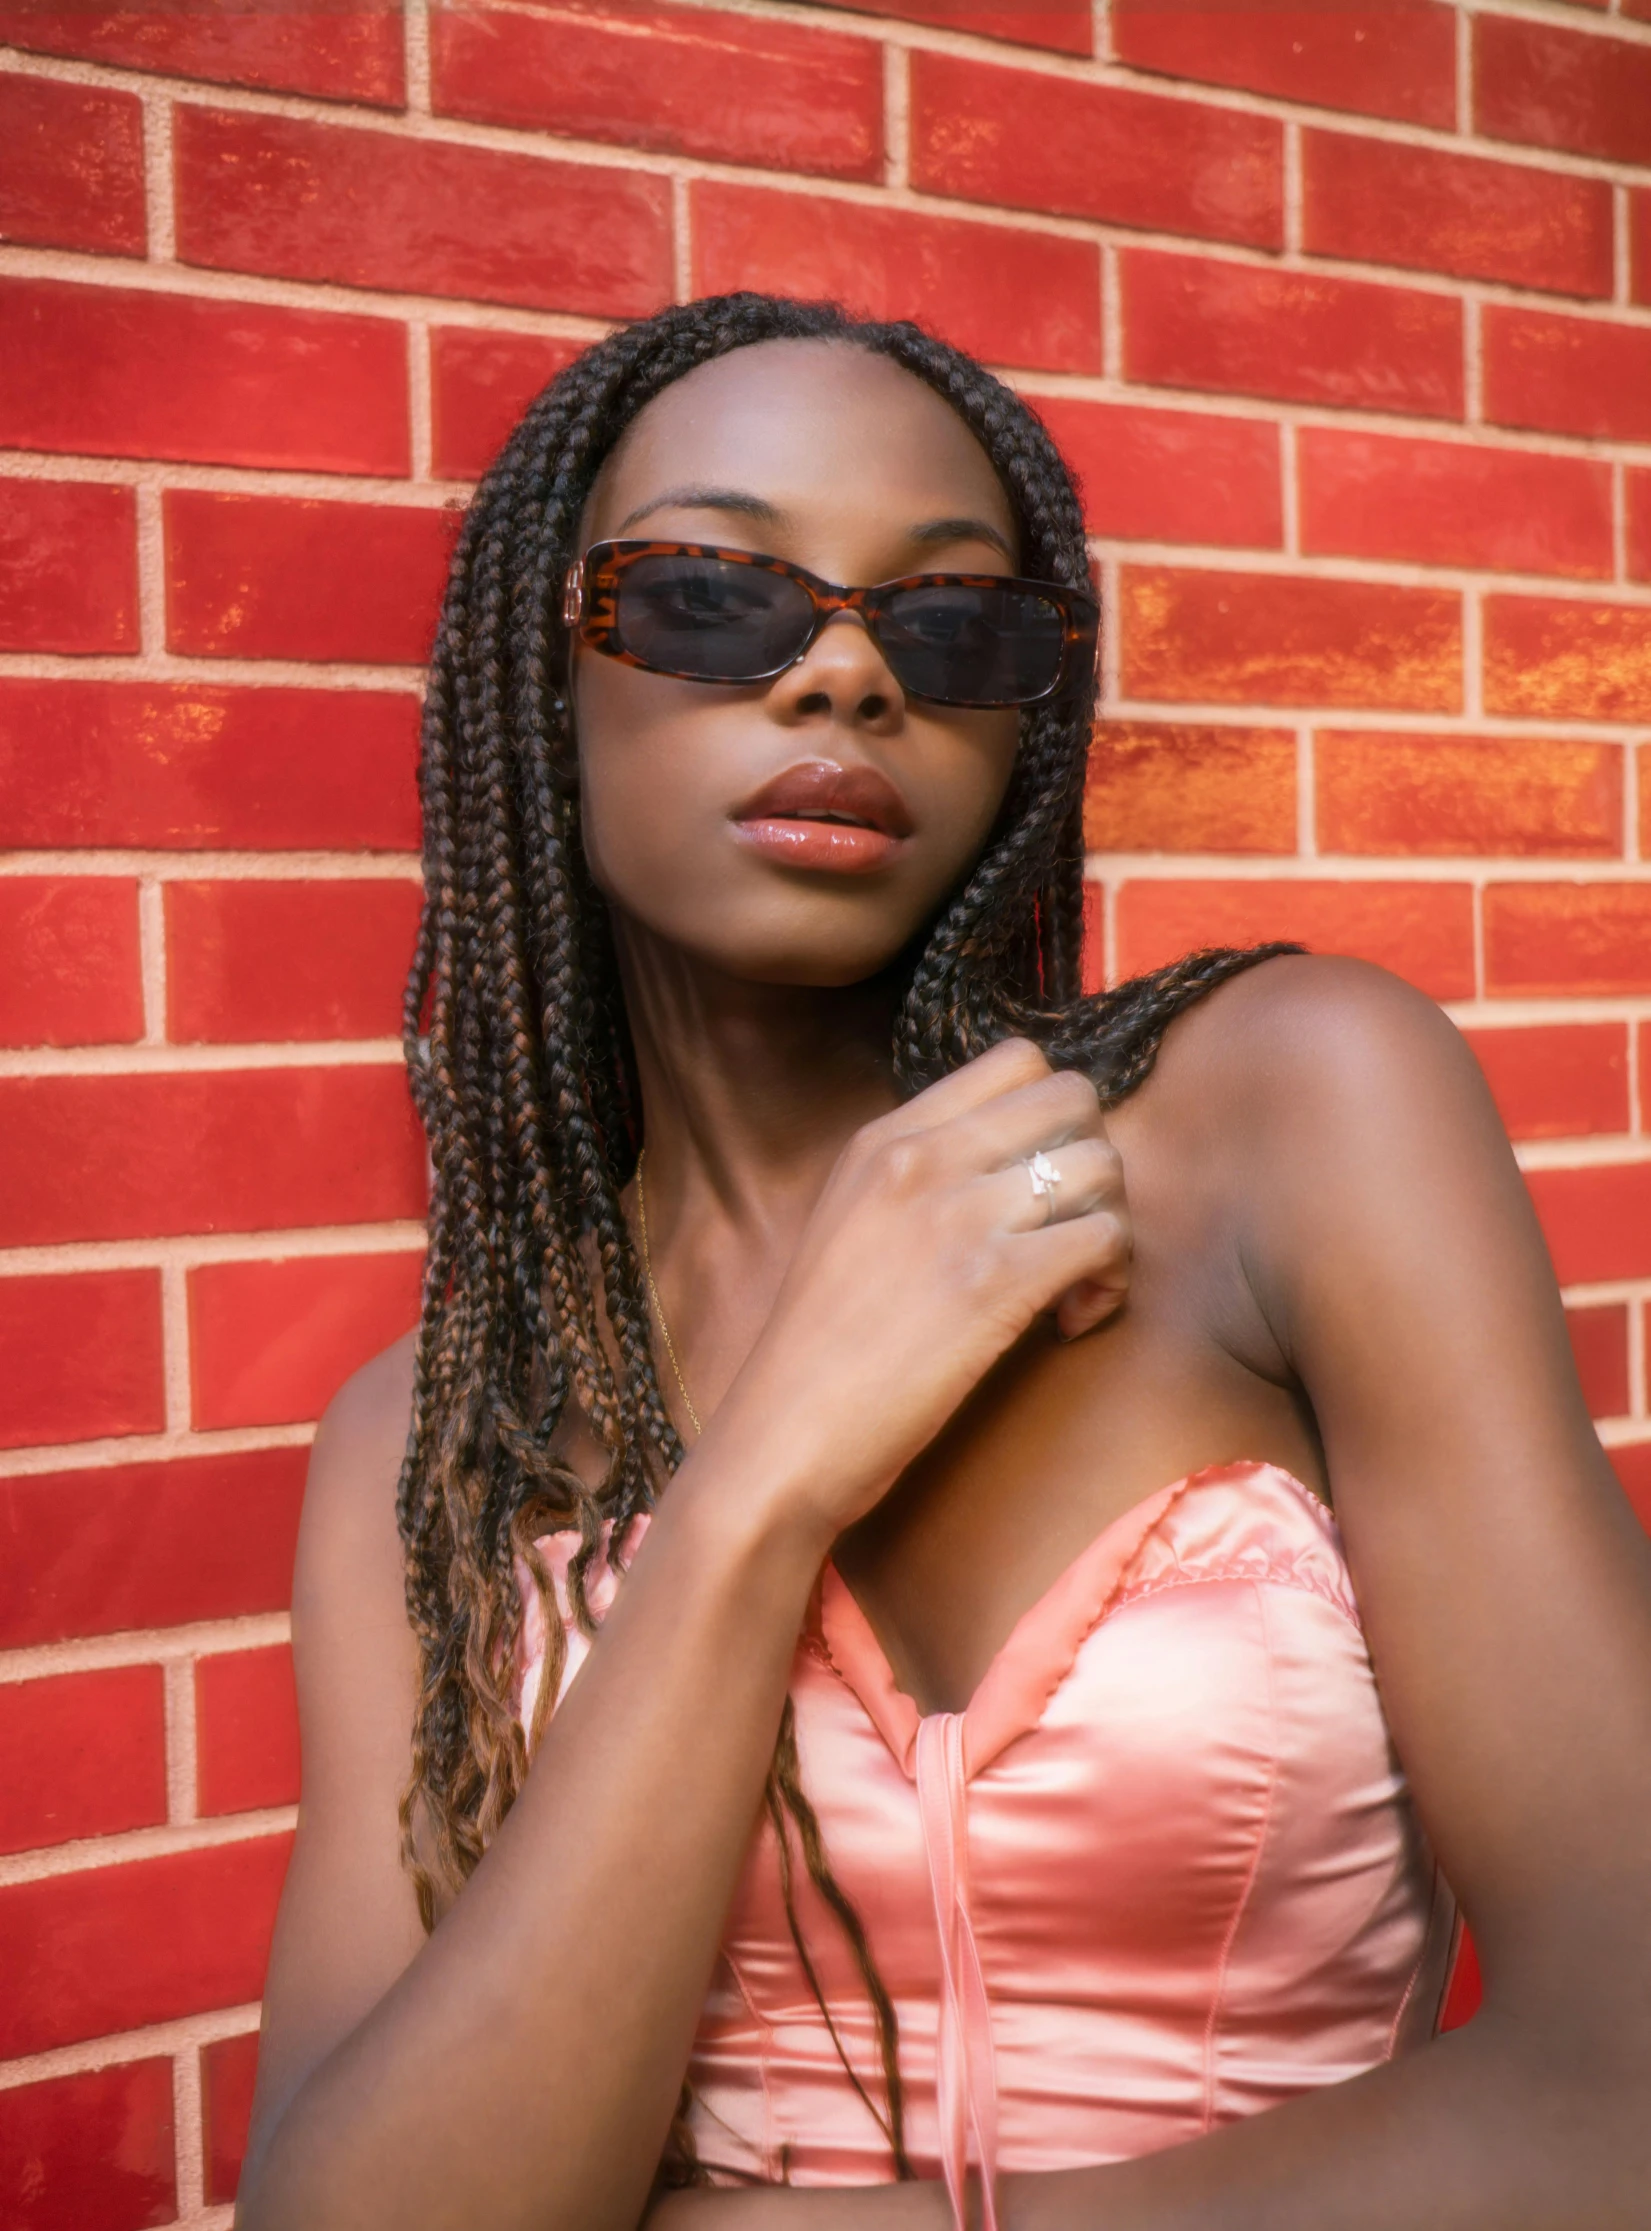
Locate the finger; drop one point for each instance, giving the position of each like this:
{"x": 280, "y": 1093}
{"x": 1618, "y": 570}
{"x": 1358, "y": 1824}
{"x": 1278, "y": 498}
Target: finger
{"x": 1094, "y": 1250}
{"x": 1089, "y": 1303}
{"x": 1057, "y": 1184}
{"x": 1004, "y": 1068}
{"x": 1047, "y": 1113}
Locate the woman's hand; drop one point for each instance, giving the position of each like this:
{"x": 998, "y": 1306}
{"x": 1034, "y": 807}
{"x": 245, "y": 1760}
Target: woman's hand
{"x": 929, "y": 1253}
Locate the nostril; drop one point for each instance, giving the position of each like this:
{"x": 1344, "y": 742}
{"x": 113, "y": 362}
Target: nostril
{"x": 815, "y": 702}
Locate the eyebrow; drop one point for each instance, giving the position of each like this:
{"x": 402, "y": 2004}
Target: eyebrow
{"x": 734, "y": 500}
{"x": 740, "y": 503}
{"x": 964, "y": 530}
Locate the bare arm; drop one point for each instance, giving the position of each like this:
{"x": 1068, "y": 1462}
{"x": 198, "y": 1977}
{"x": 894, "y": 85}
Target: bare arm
{"x": 1506, "y": 1590}
{"x": 520, "y": 2068}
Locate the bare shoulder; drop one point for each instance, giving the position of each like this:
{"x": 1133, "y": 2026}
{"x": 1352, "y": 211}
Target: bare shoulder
{"x": 346, "y": 1591}
{"x": 1321, "y": 1046}
{"x": 356, "y": 1461}
{"x": 368, "y": 1416}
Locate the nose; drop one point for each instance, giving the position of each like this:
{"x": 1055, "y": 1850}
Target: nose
{"x": 841, "y": 677}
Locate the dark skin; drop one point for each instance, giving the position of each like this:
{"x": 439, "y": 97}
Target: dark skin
{"x": 1326, "y": 1259}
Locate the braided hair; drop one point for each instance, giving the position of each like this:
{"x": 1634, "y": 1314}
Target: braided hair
{"x": 521, "y": 1066}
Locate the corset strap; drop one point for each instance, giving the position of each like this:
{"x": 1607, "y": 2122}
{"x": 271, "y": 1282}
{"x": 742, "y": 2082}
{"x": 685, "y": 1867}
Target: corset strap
{"x": 966, "y": 2070}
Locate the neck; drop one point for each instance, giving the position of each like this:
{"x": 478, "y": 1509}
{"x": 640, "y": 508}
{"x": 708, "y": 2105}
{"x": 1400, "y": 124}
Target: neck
{"x": 749, "y": 1091}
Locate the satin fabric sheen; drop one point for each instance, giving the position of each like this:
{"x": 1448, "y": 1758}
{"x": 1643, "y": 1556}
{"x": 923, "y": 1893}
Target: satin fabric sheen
{"x": 1161, "y": 1873}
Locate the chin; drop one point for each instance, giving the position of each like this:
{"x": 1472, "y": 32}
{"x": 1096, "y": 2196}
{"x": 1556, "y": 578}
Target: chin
{"x": 807, "y": 965}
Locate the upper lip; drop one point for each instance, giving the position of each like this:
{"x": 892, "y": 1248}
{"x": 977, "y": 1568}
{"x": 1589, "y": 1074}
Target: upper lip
{"x": 822, "y": 790}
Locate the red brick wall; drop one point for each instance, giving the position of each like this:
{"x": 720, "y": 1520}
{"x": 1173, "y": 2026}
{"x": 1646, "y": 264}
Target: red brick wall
{"x": 1345, "y": 314}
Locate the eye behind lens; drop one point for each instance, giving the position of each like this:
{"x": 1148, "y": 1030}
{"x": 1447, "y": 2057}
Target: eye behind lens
{"x": 709, "y": 619}
{"x": 973, "y": 644}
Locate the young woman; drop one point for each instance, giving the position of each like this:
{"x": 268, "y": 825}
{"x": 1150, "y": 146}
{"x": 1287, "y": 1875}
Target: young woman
{"x": 978, "y": 1801}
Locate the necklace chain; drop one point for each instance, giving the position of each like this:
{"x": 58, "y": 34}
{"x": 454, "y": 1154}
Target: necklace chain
{"x": 653, "y": 1296}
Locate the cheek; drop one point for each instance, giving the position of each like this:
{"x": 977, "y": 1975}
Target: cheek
{"x": 648, "y": 773}
{"x": 980, "y": 775}
{"x": 957, "y": 773}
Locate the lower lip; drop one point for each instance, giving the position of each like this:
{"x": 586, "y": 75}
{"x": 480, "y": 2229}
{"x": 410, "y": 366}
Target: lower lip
{"x": 837, "y": 847}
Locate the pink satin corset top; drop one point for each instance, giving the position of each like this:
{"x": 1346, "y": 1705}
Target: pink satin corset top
{"x": 1162, "y": 1872}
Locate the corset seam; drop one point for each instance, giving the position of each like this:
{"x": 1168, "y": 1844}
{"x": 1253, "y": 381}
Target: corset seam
{"x": 1233, "y": 1574}
{"x": 774, "y": 2147}
{"x": 1212, "y": 2027}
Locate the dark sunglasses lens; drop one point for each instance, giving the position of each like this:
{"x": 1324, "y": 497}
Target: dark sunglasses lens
{"x": 708, "y": 619}
{"x": 981, "y": 646}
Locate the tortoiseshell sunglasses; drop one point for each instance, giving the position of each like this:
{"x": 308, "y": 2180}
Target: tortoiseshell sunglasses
{"x": 707, "y": 614}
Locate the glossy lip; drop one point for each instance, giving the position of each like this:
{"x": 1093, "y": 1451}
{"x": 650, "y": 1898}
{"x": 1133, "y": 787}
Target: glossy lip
{"x": 822, "y": 815}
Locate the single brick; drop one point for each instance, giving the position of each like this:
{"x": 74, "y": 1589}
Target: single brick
{"x": 1446, "y": 795}
{"x": 191, "y": 767}
{"x": 1175, "y": 786}
{"x": 1008, "y": 295}
{"x": 1382, "y": 60}
{"x": 687, "y": 81}
{"x": 1067, "y": 26}
{"x": 114, "y": 372}
{"x": 480, "y": 385}
{"x": 1637, "y": 495}
{"x": 270, "y": 1343}
{"x": 81, "y": 1754}
{"x": 1639, "y": 245}
{"x": 342, "y": 53}
{"x": 1552, "y": 87}
{"x": 1599, "y": 1345}
{"x": 1025, "y": 140}
{"x": 68, "y": 566}
{"x": 1567, "y": 938}
{"x": 71, "y": 167}
{"x": 89, "y": 2150}
{"x": 1375, "y": 201}
{"x": 80, "y": 1356}
{"x": 72, "y": 975}
{"x": 130, "y": 1157}
{"x": 1632, "y": 1465}
{"x": 246, "y": 1731}
{"x": 301, "y": 200}
{"x": 1552, "y": 658}
{"x": 1171, "y": 476}
{"x": 147, "y": 1545}
{"x": 1298, "y": 336}
{"x": 250, "y": 962}
{"x": 1280, "y": 639}
{"x": 285, "y": 577}
{"x": 115, "y": 1948}
{"x": 1422, "y": 931}
{"x": 229, "y": 2071}
{"x": 1574, "y": 375}
{"x": 1454, "y": 503}
{"x": 1596, "y": 1220}
{"x": 1557, "y": 1080}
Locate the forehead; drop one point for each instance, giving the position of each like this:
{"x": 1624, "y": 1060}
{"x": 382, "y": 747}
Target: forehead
{"x": 811, "y": 426}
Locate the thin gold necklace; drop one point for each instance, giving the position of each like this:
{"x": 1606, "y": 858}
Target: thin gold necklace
{"x": 653, "y": 1296}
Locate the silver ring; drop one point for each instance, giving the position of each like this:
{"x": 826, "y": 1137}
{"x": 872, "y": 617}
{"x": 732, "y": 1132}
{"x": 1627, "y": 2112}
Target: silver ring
{"x": 1044, "y": 1178}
